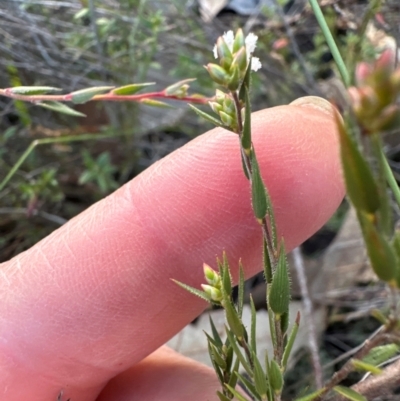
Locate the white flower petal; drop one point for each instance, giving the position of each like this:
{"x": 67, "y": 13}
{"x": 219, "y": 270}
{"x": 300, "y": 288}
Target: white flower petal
{"x": 255, "y": 63}
{"x": 215, "y": 51}
{"x": 229, "y": 39}
{"x": 251, "y": 41}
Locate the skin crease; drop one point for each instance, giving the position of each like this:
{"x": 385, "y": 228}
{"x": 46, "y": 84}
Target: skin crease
{"x": 93, "y": 299}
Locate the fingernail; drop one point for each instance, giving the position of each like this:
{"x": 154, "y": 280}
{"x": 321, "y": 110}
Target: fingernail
{"x": 314, "y": 102}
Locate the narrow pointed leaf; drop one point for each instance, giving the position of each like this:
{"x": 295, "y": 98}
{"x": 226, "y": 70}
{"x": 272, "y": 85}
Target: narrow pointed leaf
{"x": 258, "y": 194}
{"x": 60, "y": 108}
{"x": 217, "y": 369}
{"x": 290, "y": 342}
{"x": 381, "y": 254}
{"x": 238, "y": 353}
{"x": 260, "y": 378}
{"x": 381, "y": 354}
{"x": 208, "y": 117}
{"x": 253, "y": 333}
{"x": 272, "y": 327}
{"x": 249, "y": 385}
{"x": 279, "y": 293}
{"x": 233, "y": 320}
{"x": 33, "y": 90}
{"x": 234, "y": 377}
{"x": 246, "y": 173}
{"x": 156, "y": 103}
{"x": 192, "y": 290}
{"x": 130, "y": 89}
{"x": 217, "y": 357}
{"x": 245, "y": 84}
{"x": 172, "y": 89}
{"x": 360, "y": 183}
{"x": 238, "y": 396}
{"x": 271, "y": 218}
{"x": 349, "y": 393}
{"x": 396, "y": 248}
{"x": 223, "y": 397}
{"x": 229, "y": 354}
{"x": 275, "y": 377}
{"x": 311, "y": 396}
{"x": 246, "y": 133}
{"x": 267, "y": 263}
{"x": 365, "y": 367}
{"x": 226, "y": 277}
{"x": 215, "y": 333}
{"x": 240, "y": 289}
{"x": 84, "y": 95}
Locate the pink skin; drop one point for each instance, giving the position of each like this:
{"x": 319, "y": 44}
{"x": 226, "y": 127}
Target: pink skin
{"x": 95, "y": 298}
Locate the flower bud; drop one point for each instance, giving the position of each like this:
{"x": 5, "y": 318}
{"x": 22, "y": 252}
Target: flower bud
{"x": 211, "y": 276}
{"x": 223, "y": 50}
{"x": 218, "y": 74}
{"x": 239, "y": 40}
{"x": 226, "y": 119}
{"x": 214, "y": 294}
{"x": 234, "y": 81}
{"x": 240, "y": 61}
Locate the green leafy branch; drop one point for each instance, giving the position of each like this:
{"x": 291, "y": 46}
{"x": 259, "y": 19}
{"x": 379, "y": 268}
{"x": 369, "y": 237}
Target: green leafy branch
{"x": 44, "y": 96}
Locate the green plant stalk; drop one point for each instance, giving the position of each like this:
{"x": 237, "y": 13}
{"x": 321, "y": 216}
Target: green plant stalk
{"x": 331, "y": 42}
{"x": 391, "y": 180}
{"x": 47, "y": 141}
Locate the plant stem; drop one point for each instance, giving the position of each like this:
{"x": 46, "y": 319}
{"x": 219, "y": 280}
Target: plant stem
{"x": 45, "y": 141}
{"x": 330, "y": 41}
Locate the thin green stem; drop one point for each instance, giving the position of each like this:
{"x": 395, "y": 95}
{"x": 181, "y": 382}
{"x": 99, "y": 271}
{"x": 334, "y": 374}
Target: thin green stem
{"x": 391, "y": 180}
{"x": 331, "y": 42}
{"x": 46, "y": 141}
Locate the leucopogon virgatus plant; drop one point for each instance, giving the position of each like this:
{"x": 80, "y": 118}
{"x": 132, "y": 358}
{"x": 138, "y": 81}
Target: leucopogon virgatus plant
{"x": 373, "y": 110}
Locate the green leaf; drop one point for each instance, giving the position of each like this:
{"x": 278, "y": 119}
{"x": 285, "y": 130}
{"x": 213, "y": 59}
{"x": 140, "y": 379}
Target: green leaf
{"x": 279, "y": 293}
{"x": 267, "y": 263}
{"x": 360, "y": 183}
{"x": 217, "y": 369}
{"x": 381, "y": 354}
{"x": 84, "y": 95}
{"x": 365, "y": 367}
{"x": 245, "y": 84}
{"x": 156, "y": 103}
{"x": 208, "y": 117}
{"x": 253, "y": 342}
{"x": 239, "y": 396}
{"x": 226, "y": 276}
{"x": 81, "y": 13}
{"x": 290, "y": 342}
{"x": 349, "y": 393}
{"x": 258, "y": 193}
{"x": 381, "y": 254}
{"x": 284, "y": 322}
{"x": 240, "y": 289}
{"x": 396, "y": 248}
{"x": 241, "y": 357}
{"x": 217, "y": 357}
{"x": 275, "y": 377}
{"x": 173, "y": 89}
{"x": 60, "y": 108}
{"x": 311, "y": 396}
{"x": 130, "y": 89}
{"x": 233, "y": 320}
{"x": 33, "y": 90}
{"x": 223, "y": 397}
{"x": 234, "y": 377}
{"x": 246, "y": 133}
{"x": 216, "y": 336}
{"x": 249, "y": 385}
{"x": 260, "y": 378}
{"x": 193, "y": 290}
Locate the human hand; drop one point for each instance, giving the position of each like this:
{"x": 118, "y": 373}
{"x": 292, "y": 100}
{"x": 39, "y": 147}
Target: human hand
{"x": 84, "y": 308}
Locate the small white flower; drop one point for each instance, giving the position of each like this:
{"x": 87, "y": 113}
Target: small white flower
{"x": 255, "y": 63}
{"x": 250, "y": 42}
